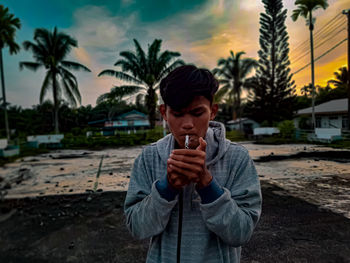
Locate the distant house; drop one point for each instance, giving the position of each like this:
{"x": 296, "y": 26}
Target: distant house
{"x": 8, "y": 150}
{"x": 247, "y": 125}
{"x": 331, "y": 114}
{"x": 129, "y": 121}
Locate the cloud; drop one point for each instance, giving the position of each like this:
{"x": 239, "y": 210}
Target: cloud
{"x": 95, "y": 26}
{"x": 250, "y": 5}
{"x": 101, "y": 36}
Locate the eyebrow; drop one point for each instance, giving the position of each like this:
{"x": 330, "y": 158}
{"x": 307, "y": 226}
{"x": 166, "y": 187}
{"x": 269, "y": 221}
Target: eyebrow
{"x": 199, "y": 108}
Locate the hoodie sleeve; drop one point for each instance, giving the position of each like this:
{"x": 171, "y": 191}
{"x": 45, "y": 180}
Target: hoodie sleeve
{"x": 147, "y": 213}
{"x": 234, "y": 215}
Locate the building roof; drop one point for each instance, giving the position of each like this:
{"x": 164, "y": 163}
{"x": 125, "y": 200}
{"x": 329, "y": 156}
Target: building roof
{"x": 237, "y": 121}
{"x": 333, "y": 106}
{"x": 132, "y": 115}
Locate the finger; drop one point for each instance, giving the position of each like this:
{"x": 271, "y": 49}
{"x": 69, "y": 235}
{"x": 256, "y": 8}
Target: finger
{"x": 190, "y": 175}
{"x": 194, "y": 167}
{"x": 202, "y": 145}
{"x": 199, "y": 160}
{"x": 189, "y": 153}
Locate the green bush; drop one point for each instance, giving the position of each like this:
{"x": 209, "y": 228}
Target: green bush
{"x": 287, "y": 129}
{"x": 122, "y": 138}
{"x": 235, "y": 136}
{"x": 154, "y": 135}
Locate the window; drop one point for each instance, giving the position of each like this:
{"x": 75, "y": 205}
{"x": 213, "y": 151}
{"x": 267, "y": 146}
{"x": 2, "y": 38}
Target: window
{"x": 345, "y": 122}
{"x": 318, "y": 122}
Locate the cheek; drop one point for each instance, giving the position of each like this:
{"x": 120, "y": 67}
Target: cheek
{"x": 173, "y": 124}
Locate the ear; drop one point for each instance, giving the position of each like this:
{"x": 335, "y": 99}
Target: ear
{"x": 162, "y": 110}
{"x": 214, "y": 110}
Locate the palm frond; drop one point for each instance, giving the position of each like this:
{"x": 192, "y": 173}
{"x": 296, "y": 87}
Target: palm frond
{"x": 140, "y": 54}
{"x": 45, "y": 86}
{"x": 119, "y": 75}
{"x": 30, "y": 65}
{"x": 170, "y": 68}
{"x": 152, "y": 56}
{"x": 8, "y": 26}
{"x": 68, "y": 93}
{"x": 69, "y": 75}
{"x": 74, "y": 65}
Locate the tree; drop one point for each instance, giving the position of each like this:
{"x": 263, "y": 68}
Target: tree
{"x": 232, "y": 73}
{"x": 341, "y": 78}
{"x": 117, "y": 94}
{"x": 49, "y": 51}
{"x": 145, "y": 70}
{"x": 272, "y": 87}
{"x": 114, "y": 98}
{"x": 8, "y": 26}
{"x": 305, "y": 9}
{"x": 306, "y": 90}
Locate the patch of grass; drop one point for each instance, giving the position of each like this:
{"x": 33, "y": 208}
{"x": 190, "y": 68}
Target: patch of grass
{"x": 340, "y": 144}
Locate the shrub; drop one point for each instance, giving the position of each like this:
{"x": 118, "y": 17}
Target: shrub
{"x": 235, "y": 136}
{"x": 287, "y": 129}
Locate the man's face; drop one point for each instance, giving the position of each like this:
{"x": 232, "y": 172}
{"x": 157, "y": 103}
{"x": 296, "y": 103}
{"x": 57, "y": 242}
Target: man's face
{"x": 192, "y": 120}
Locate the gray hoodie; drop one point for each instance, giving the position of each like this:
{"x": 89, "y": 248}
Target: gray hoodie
{"x": 212, "y": 232}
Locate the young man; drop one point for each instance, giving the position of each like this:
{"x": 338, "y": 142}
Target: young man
{"x": 198, "y": 203}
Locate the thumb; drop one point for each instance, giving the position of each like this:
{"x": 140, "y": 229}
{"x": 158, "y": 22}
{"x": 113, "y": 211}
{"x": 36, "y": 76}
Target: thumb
{"x": 202, "y": 145}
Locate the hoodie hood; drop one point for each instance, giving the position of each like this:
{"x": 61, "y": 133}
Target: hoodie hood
{"x": 215, "y": 139}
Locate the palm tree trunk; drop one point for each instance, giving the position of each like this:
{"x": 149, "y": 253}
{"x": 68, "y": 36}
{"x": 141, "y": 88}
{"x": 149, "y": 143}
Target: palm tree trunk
{"x": 55, "y": 100}
{"x": 4, "y": 96}
{"x": 151, "y": 104}
{"x": 311, "y": 27}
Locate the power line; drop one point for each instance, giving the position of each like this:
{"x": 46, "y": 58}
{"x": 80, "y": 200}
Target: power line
{"x": 325, "y": 53}
{"x": 329, "y": 23}
{"x": 335, "y": 19}
{"x": 319, "y": 45}
{"x": 306, "y": 48}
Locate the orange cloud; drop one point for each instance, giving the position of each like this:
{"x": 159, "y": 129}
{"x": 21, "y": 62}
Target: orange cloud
{"x": 83, "y": 56}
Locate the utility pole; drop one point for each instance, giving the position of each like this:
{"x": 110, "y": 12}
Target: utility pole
{"x": 347, "y": 13}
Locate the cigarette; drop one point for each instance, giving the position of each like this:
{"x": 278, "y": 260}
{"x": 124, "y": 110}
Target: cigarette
{"x": 187, "y": 139}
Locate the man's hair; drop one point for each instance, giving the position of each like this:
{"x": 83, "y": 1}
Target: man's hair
{"x": 181, "y": 85}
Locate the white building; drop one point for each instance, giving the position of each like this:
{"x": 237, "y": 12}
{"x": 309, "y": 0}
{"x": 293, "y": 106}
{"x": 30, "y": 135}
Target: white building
{"x": 331, "y": 114}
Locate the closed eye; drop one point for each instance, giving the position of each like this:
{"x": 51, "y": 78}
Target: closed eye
{"x": 197, "y": 114}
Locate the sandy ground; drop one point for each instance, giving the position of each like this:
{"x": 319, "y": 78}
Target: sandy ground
{"x": 58, "y": 207}
{"x": 76, "y": 171}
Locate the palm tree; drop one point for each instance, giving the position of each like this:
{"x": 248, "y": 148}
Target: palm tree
{"x": 306, "y": 90}
{"x": 232, "y": 73}
{"x": 8, "y": 26}
{"x": 341, "y": 78}
{"x": 145, "y": 70}
{"x": 117, "y": 94}
{"x": 49, "y": 51}
{"x": 305, "y": 9}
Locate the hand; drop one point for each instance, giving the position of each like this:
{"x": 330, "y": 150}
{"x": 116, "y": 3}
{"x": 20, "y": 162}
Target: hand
{"x": 186, "y": 166}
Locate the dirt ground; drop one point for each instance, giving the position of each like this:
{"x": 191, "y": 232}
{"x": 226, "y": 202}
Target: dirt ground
{"x": 66, "y": 206}
{"x": 91, "y": 228}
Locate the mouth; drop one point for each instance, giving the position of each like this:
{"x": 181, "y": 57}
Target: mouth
{"x": 192, "y": 138}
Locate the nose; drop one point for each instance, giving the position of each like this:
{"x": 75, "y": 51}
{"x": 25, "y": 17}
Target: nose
{"x": 187, "y": 123}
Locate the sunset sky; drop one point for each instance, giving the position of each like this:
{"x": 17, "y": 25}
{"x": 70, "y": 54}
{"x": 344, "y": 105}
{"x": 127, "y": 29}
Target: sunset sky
{"x": 203, "y": 31}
